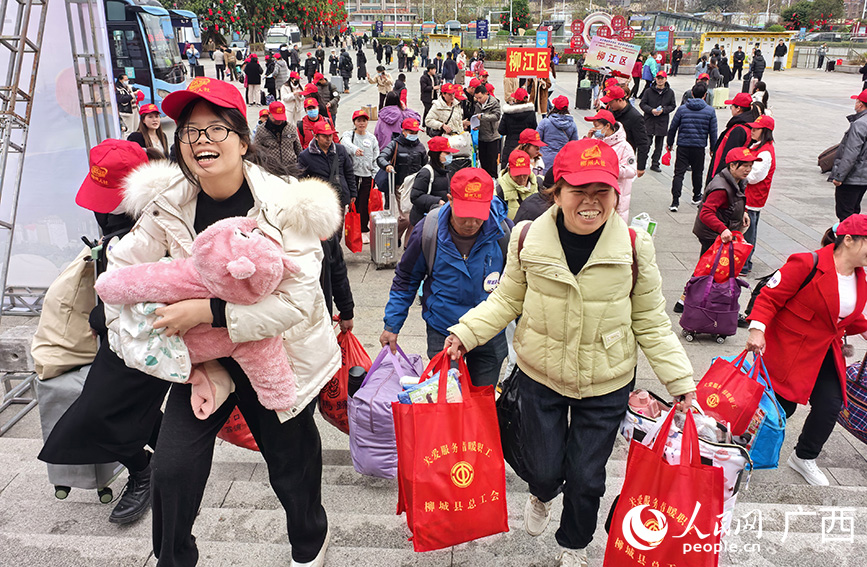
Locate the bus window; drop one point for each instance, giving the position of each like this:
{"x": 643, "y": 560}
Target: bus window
{"x": 128, "y": 49}
{"x": 164, "y": 51}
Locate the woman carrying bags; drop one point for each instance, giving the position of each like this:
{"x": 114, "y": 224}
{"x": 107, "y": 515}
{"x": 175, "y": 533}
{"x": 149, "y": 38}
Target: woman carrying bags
{"x": 364, "y": 149}
{"x": 759, "y": 180}
{"x": 430, "y": 189}
{"x": 798, "y": 322}
{"x": 589, "y": 297}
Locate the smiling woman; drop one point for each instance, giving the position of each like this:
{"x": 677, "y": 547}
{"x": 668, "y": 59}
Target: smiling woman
{"x": 588, "y": 291}
{"x": 217, "y": 177}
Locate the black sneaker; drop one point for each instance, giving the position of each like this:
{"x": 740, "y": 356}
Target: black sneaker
{"x": 656, "y": 168}
{"x": 742, "y": 321}
{"x": 136, "y": 498}
{"x": 678, "y": 307}
{"x": 673, "y": 207}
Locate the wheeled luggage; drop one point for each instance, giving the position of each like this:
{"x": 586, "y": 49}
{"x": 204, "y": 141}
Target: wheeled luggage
{"x": 853, "y": 417}
{"x": 583, "y": 98}
{"x": 55, "y": 396}
{"x": 826, "y": 158}
{"x": 384, "y": 234}
{"x": 829, "y": 66}
{"x": 712, "y": 307}
{"x": 720, "y": 94}
{"x": 778, "y": 65}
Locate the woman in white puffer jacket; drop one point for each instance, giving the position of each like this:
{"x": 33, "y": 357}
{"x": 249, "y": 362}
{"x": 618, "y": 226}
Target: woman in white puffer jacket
{"x": 607, "y": 129}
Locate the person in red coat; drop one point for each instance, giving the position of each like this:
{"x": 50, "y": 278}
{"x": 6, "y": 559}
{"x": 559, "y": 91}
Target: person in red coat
{"x": 799, "y": 328}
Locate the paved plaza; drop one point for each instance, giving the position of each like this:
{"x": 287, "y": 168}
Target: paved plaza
{"x": 241, "y": 522}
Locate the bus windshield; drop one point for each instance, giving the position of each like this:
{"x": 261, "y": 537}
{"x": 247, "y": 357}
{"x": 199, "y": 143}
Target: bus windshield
{"x": 164, "y": 51}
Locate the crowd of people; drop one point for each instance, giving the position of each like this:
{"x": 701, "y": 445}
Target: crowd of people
{"x": 514, "y": 243}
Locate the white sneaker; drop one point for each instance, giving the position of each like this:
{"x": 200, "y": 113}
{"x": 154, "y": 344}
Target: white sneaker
{"x": 537, "y": 514}
{"x": 365, "y": 238}
{"x": 573, "y": 558}
{"x": 808, "y": 469}
{"x": 696, "y": 202}
{"x": 319, "y": 560}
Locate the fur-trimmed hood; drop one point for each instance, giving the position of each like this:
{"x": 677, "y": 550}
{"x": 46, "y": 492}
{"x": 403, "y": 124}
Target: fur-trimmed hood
{"x": 515, "y": 108}
{"x": 310, "y": 206}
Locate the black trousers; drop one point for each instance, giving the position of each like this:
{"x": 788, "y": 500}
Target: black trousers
{"x": 567, "y": 443}
{"x": 674, "y": 66}
{"x": 687, "y": 157}
{"x": 362, "y": 202}
{"x": 658, "y": 146}
{"x": 382, "y": 99}
{"x": 647, "y": 85}
{"x": 182, "y": 464}
{"x": 826, "y": 400}
{"x": 636, "y": 86}
{"x": 488, "y": 154}
{"x": 221, "y": 72}
{"x": 848, "y": 200}
{"x": 737, "y": 69}
{"x": 427, "y": 106}
{"x": 346, "y": 82}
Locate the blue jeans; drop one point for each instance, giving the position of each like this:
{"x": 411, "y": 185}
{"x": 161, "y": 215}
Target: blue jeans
{"x": 751, "y": 235}
{"x": 484, "y": 362}
{"x": 567, "y": 443}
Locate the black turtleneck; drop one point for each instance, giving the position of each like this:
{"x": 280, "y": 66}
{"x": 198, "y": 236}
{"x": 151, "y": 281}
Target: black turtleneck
{"x": 577, "y": 247}
{"x": 275, "y": 127}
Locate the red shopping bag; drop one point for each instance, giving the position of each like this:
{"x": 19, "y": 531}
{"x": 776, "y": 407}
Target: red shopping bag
{"x": 375, "y": 203}
{"x": 333, "y": 397}
{"x": 667, "y": 513}
{"x": 352, "y": 229}
{"x": 450, "y": 469}
{"x": 237, "y": 432}
{"x": 728, "y": 393}
{"x": 666, "y": 158}
{"x": 741, "y": 253}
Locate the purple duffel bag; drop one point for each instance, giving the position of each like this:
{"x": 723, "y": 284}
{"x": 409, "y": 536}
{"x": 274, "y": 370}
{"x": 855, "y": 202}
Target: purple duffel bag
{"x": 712, "y": 307}
{"x": 372, "y": 444}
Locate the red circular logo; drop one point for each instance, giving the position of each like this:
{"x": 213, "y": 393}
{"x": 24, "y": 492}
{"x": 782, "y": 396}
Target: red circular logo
{"x": 604, "y": 31}
{"x": 578, "y": 27}
{"x": 618, "y": 23}
{"x": 627, "y": 34}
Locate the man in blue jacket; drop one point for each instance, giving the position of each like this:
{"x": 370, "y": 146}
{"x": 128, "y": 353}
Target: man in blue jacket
{"x": 460, "y": 264}
{"x": 694, "y": 124}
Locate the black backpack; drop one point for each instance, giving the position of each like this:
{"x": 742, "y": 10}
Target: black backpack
{"x": 763, "y": 281}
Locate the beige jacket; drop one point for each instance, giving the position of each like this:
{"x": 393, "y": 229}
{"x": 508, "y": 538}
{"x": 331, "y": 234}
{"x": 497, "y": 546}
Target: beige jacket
{"x": 297, "y": 214}
{"x": 384, "y": 83}
{"x": 438, "y": 115}
{"x": 577, "y": 334}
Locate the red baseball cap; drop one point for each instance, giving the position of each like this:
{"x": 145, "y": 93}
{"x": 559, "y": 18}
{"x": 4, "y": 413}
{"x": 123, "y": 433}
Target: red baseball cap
{"x": 587, "y": 161}
{"x": 216, "y": 92}
{"x": 139, "y": 96}
{"x": 264, "y": 112}
{"x": 360, "y": 114}
{"x": 323, "y": 127}
{"x": 614, "y": 93}
{"x": 309, "y": 89}
{"x": 410, "y": 124}
{"x": 276, "y": 56}
{"x": 310, "y": 103}
{"x": 519, "y": 163}
{"x": 294, "y": 75}
{"x": 741, "y": 99}
{"x": 311, "y": 55}
{"x": 862, "y": 96}
{"x": 148, "y": 109}
{"x": 742, "y": 153}
{"x": 483, "y": 73}
{"x": 611, "y": 82}
{"x": 530, "y": 136}
{"x": 459, "y": 93}
{"x": 474, "y": 83}
{"x": 472, "y": 191}
{"x": 854, "y": 225}
{"x": 440, "y": 144}
{"x": 490, "y": 88}
{"x": 662, "y": 74}
{"x": 520, "y": 94}
{"x": 561, "y": 102}
{"x": 763, "y": 121}
{"x": 703, "y": 77}
{"x": 277, "y": 110}
{"x": 110, "y": 162}
{"x": 448, "y": 88}
{"x": 318, "y": 77}
{"x": 602, "y": 114}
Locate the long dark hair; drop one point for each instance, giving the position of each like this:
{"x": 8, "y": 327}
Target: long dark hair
{"x": 392, "y": 99}
{"x": 767, "y": 136}
{"x": 143, "y": 130}
{"x": 238, "y": 123}
{"x": 761, "y": 86}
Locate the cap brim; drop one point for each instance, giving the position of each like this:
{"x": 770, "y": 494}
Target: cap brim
{"x": 519, "y": 170}
{"x": 756, "y": 125}
{"x": 606, "y": 99}
{"x": 584, "y": 177}
{"x": 97, "y": 198}
{"x": 471, "y": 209}
{"x": 537, "y": 143}
{"x": 278, "y": 115}
{"x": 413, "y": 129}
{"x": 177, "y": 101}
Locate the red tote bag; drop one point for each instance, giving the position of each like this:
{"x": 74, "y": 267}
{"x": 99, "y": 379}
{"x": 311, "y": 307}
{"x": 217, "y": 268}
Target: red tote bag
{"x": 333, "y": 397}
{"x": 741, "y": 252}
{"x": 667, "y": 513}
{"x": 237, "y": 432}
{"x": 353, "y": 230}
{"x": 729, "y": 394}
{"x": 375, "y": 202}
{"x": 450, "y": 468}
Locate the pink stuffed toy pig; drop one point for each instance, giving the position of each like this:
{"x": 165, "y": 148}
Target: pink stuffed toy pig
{"x": 231, "y": 260}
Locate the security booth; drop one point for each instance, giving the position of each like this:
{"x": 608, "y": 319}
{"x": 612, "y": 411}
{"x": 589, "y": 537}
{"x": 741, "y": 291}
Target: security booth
{"x": 749, "y": 40}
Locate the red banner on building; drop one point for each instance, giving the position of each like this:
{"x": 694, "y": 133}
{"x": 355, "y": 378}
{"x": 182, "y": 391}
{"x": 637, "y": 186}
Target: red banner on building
{"x": 528, "y": 62}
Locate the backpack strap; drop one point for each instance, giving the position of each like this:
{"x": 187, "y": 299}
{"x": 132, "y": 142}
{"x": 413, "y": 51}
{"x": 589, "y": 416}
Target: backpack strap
{"x": 429, "y": 239}
{"x": 632, "y": 236}
{"x": 430, "y": 181}
{"x": 812, "y": 272}
{"x": 524, "y": 230}
{"x": 504, "y": 240}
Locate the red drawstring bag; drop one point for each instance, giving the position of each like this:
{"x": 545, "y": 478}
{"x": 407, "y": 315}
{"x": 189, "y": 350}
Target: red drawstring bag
{"x": 333, "y": 397}
{"x": 741, "y": 252}
{"x": 375, "y": 203}
{"x": 729, "y": 393}
{"x": 666, "y": 158}
{"x": 353, "y": 230}
{"x": 450, "y": 468}
{"x": 667, "y": 512}
{"x": 237, "y": 432}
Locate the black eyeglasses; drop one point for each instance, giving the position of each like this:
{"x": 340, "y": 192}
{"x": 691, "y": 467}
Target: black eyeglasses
{"x": 214, "y": 132}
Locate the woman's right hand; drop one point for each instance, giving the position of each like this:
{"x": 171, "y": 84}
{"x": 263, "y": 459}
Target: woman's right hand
{"x": 390, "y": 339}
{"x": 756, "y": 341}
{"x": 726, "y": 236}
{"x": 389, "y": 168}
{"x": 455, "y": 347}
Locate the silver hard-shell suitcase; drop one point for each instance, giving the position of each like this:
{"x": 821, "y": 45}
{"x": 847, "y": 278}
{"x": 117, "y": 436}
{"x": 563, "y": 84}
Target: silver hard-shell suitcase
{"x": 383, "y": 233}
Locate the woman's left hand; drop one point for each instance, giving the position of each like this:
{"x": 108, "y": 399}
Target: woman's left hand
{"x": 686, "y": 403}
{"x": 182, "y": 316}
